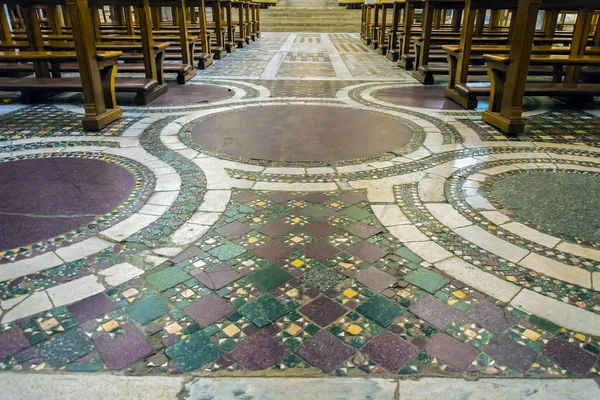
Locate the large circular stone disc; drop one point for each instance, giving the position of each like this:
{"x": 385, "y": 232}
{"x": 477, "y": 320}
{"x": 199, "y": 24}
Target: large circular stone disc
{"x": 417, "y": 96}
{"x": 301, "y": 133}
{"x": 43, "y": 198}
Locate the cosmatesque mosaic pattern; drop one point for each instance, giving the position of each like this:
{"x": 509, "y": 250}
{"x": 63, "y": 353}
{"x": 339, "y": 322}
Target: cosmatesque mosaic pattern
{"x": 464, "y": 253}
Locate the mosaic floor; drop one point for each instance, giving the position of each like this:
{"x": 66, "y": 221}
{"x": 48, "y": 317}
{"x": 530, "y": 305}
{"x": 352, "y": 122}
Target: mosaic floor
{"x": 313, "y": 211}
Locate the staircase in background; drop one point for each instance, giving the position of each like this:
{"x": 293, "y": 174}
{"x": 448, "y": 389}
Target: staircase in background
{"x": 309, "y": 16}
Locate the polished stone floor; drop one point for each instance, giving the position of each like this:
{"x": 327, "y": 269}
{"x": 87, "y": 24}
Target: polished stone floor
{"x": 304, "y": 208}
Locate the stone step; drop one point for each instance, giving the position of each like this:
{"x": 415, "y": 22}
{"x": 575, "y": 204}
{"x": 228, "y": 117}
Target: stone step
{"x": 309, "y": 19}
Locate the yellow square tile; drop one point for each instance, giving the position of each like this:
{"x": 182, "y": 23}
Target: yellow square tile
{"x": 459, "y": 293}
{"x": 51, "y": 323}
{"x": 256, "y": 219}
{"x": 296, "y": 220}
{"x": 231, "y": 330}
{"x": 350, "y": 293}
{"x": 173, "y": 328}
{"x": 353, "y": 329}
{"x": 335, "y": 204}
{"x": 110, "y": 325}
{"x": 532, "y": 335}
{"x": 292, "y": 293}
{"x": 297, "y": 239}
{"x": 297, "y": 263}
{"x": 579, "y": 336}
{"x": 187, "y": 293}
{"x": 261, "y": 203}
{"x": 293, "y": 329}
{"x": 252, "y": 240}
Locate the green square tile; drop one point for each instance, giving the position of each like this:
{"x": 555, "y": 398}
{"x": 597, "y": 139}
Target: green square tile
{"x": 408, "y": 254}
{"x": 168, "y": 277}
{"x": 317, "y": 212}
{"x": 426, "y": 279}
{"x": 227, "y": 251}
{"x": 356, "y": 213}
{"x": 148, "y": 309}
{"x": 264, "y": 311}
{"x": 381, "y": 310}
{"x": 270, "y": 277}
{"x": 66, "y": 348}
{"x": 194, "y": 352}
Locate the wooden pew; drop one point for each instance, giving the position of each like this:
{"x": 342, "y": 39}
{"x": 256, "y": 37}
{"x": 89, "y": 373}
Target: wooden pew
{"x": 96, "y": 72}
{"x": 510, "y": 73}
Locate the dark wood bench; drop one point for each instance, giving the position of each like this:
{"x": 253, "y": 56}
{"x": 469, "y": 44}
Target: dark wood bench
{"x": 36, "y": 89}
{"x": 466, "y": 94}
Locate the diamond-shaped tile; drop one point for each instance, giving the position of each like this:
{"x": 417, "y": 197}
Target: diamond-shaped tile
{"x": 91, "y": 307}
{"x": 457, "y": 354}
{"x": 380, "y": 310}
{"x": 351, "y": 198}
{"x": 66, "y": 348}
{"x": 356, "y": 213}
{"x": 316, "y": 197}
{"x": 367, "y": 252}
{"x": 276, "y": 228}
{"x": 123, "y": 350}
{"x": 320, "y": 251}
{"x": 167, "y": 278}
{"x": 148, "y": 309}
{"x": 390, "y": 351}
{"x": 362, "y": 230}
{"x": 323, "y": 310}
{"x": 375, "y": 279}
{"x": 570, "y": 356}
{"x": 12, "y": 341}
{"x": 227, "y": 251}
{"x": 511, "y": 354}
{"x": 325, "y": 351}
{"x": 209, "y": 310}
{"x": 234, "y": 230}
{"x": 264, "y": 311}
{"x": 273, "y": 251}
{"x": 216, "y": 277}
{"x": 258, "y": 352}
{"x": 426, "y": 279}
{"x": 270, "y": 277}
{"x": 319, "y": 229}
{"x": 438, "y": 313}
{"x": 194, "y": 352}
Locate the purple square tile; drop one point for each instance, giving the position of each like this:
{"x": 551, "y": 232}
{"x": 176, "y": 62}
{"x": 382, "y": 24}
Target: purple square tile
{"x": 368, "y": 252}
{"x": 216, "y": 277}
{"x": 390, "y": 351}
{"x": 350, "y": 198}
{"x": 259, "y": 352}
{"x": 281, "y": 197}
{"x": 454, "y": 353}
{"x": 320, "y": 251}
{"x": 570, "y": 356}
{"x": 325, "y": 351}
{"x": 323, "y": 311}
{"x": 244, "y": 196}
{"x": 491, "y": 317}
{"x": 438, "y": 313}
{"x": 276, "y": 228}
{"x": 12, "y": 341}
{"x": 316, "y": 198}
{"x": 234, "y": 230}
{"x": 91, "y": 307}
{"x": 375, "y": 279}
{"x": 511, "y": 354}
{"x": 122, "y": 350}
{"x": 209, "y": 309}
{"x": 186, "y": 254}
{"x": 319, "y": 229}
{"x": 273, "y": 251}
{"x": 362, "y": 230}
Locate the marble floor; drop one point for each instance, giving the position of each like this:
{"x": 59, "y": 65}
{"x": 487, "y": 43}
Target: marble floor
{"x": 301, "y": 208}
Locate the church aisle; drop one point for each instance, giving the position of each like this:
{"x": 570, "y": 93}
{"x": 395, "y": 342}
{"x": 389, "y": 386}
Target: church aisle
{"x": 303, "y": 208}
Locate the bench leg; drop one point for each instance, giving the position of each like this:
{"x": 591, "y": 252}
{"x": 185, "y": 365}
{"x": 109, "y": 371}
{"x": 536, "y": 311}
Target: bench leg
{"x": 203, "y": 63}
{"x": 184, "y": 77}
{"x": 468, "y": 102}
{"x": 144, "y": 98}
{"x": 392, "y": 55}
{"x": 35, "y": 97}
{"x": 426, "y": 78}
{"x": 406, "y": 63}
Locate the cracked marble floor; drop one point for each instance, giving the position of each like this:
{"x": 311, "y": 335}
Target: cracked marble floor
{"x": 365, "y": 228}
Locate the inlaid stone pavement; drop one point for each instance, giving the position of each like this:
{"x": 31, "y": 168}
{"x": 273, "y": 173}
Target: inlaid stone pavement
{"x": 314, "y": 213}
